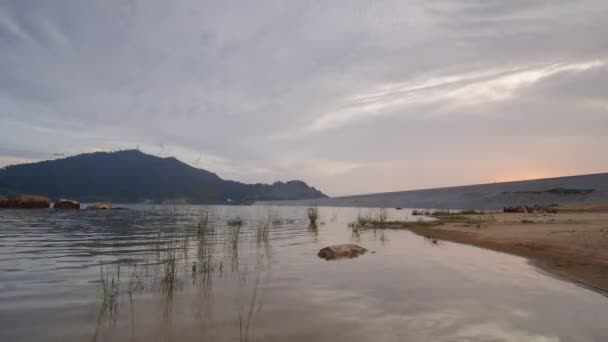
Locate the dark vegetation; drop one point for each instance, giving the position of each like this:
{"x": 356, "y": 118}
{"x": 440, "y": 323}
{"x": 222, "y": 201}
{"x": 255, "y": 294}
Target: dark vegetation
{"x": 134, "y": 177}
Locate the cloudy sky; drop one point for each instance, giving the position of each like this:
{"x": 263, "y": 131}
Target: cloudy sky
{"x": 350, "y": 96}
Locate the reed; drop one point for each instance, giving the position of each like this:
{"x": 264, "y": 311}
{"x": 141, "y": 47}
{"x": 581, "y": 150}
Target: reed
{"x": 381, "y": 216}
{"x": 135, "y": 285}
{"x": 237, "y": 221}
{"x": 110, "y": 291}
{"x": 203, "y": 221}
{"x": 235, "y": 234}
{"x": 263, "y": 233}
{"x": 313, "y": 215}
{"x": 246, "y": 317}
{"x": 169, "y": 279}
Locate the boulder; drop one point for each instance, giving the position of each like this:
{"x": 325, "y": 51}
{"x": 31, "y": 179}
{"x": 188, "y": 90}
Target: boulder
{"x": 29, "y": 202}
{"x": 341, "y": 251}
{"x": 63, "y": 203}
{"x": 100, "y": 205}
{"x": 3, "y": 202}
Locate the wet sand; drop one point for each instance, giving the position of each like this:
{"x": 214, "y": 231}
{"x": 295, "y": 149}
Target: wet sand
{"x": 569, "y": 245}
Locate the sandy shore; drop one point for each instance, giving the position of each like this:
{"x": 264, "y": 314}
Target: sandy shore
{"x": 572, "y": 245}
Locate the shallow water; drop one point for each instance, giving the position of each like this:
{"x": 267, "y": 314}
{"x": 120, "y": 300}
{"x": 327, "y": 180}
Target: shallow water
{"x": 252, "y": 284}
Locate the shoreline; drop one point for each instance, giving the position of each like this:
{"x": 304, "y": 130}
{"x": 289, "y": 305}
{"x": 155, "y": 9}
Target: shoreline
{"x": 568, "y": 246}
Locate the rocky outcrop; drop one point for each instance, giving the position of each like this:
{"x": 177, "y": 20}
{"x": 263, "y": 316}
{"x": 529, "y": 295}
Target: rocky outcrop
{"x": 3, "y": 202}
{"x": 100, "y": 206}
{"x": 341, "y": 251}
{"x": 66, "y": 204}
{"x": 29, "y": 202}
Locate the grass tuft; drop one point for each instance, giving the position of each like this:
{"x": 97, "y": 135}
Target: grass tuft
{"x": 313, "y": 215}
{"x": 237, "y": 221}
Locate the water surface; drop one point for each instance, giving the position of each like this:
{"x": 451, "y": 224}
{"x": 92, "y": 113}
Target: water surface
{"x": 163, "y": 273}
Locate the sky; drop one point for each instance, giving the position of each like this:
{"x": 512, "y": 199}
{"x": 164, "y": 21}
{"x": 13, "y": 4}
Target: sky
{"x": 349, "y": 96}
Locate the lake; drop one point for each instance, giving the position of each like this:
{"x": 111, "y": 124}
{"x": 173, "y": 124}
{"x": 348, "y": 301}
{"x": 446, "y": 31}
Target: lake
{"x": 231, "y": 273}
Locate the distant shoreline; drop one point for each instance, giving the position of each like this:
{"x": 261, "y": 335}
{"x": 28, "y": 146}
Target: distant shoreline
{"x": 494, "y": 196}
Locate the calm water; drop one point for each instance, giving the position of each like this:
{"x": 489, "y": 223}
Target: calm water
{"x": 251, "y": 283}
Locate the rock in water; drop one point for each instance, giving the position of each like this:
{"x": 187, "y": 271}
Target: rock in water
{"x": 100, "y": 205}
{"x": 341, "y": 251}
{"x": 29, "y": 202}
{"x": 3, "y": 202}
{"x": 66, "y": 204}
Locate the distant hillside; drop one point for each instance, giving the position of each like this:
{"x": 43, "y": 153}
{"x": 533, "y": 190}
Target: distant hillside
{"x": 562, "y": 190}
{"x": 134, "y": 177}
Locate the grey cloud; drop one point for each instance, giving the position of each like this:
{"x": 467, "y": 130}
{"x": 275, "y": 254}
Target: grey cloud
{"x": 239, "y": 82}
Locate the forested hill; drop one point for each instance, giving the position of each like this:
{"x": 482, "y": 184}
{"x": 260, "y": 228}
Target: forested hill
{"x": 131, "y": 176}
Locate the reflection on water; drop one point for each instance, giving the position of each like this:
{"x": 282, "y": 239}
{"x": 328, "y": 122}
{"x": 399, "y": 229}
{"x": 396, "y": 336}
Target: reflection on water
{"x": 191, "y": 273}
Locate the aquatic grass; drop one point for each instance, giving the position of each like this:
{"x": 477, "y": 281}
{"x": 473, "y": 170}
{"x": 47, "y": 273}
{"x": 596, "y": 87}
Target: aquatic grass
{"x": 136, "y": 281}
{"x": 246, "y": 320}
{"x": 235, "y": 234}
{"x": 204, "y": 261}
{"x": 237, "y": 221}
{"x": 263, "y": 233}
{"x": 356, "y": 231}
{"x": 313, "y": 215}
{"x": 169, "y": 279}
{"x": 185, "y": 240}
{"x": 381, "y": 216}
{"x": 135, "y": 285}
{"x": 334, "y": 215}
{"x": 247, "y": 312}
{"x": 362, "y": 221}
{"x": 263, "y": 242}
{"x": 110, "y": 286}
{"x": 232, "y": 240}
{"x": 381, "y": 235}
{"x": 109, "y": 292}
{"x": 157, "y": 242}
{"x": 203, "y": 221}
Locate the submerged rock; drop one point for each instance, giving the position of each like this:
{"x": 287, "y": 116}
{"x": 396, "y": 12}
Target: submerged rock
{"x": 29, "y": 202}
{"x": 100, "y": 205}
{"x": 341, "y": 251}
{"x": 3, "y": 202}
{"x": 63, "y": 203}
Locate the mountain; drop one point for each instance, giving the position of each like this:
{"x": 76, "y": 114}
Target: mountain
{"x": 131, "y": 176}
